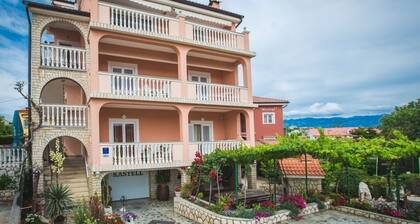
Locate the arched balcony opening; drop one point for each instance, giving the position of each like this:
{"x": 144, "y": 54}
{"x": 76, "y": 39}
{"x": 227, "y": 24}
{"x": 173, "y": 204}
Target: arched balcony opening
{"x": 63, "y": 104}
{"x": 62, "y": 46}
{"x": 75, "y": 160}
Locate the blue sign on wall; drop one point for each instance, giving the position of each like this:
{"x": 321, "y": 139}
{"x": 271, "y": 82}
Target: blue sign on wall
{"x": 105, "y": 151}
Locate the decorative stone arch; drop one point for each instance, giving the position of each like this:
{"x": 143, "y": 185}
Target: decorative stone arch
{"x": 43, "y": 22}
{"x": 45, "y": 82}
{"x": 50, "y": 138}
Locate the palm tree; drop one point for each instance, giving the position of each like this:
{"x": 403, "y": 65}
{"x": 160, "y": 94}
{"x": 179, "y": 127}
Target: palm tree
{"x": 57, "y": 200}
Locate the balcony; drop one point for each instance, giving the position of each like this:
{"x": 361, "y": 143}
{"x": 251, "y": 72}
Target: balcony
{"x": 140, "y": 87}
{"x": 11, "y": 156}
{"x": 208, "y": 147}
{"x": 64, "y": 115}
{"x": 63, "y": 57}
{"x": 126, "y": 156}
{"x": 123, "y": 19}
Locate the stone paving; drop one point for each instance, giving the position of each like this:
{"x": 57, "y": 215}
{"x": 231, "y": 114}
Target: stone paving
{"x": 5, "y": 208}
{"x": 152, "y": 212}
{"x": 334, "y": 217}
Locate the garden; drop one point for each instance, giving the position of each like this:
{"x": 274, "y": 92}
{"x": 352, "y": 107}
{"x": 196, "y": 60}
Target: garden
{"x": 350, "y": 165}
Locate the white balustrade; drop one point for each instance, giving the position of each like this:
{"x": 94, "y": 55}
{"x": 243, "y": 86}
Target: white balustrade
{"x": 134, "y": 85}
{"x": 64, "y": 115}
{"x": 138, "y": 20}
{"x": 11, "y": 156}
{"x": 208, "y": 147}
{"x": 217, "y": 93}
{"x": 215, "y": 36}
{"x": 135, "y": 154}
{"x": 63, "y": 57}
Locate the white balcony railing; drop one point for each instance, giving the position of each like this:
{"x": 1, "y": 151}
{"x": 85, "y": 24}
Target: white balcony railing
{"x": 140, "y": 154}
{"x": 135, "y": 85}
{"x": 11, "y": 156}
{"x": 63, "y": 57}
{"x": 64, "y": 115}
{"x": 208, "y": 147}
{"x": 139, "y": 21}
{"x": 217, "y": 92}
{"x": 214, "y": 36}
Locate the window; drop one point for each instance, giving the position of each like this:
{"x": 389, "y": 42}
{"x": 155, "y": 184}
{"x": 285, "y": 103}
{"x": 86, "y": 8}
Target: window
{"x": 123, "y": 130}
{"x": 201, "y": 131}
{"x": 195, "y": 76}
{"x": 122, "y": 68}
{"x": 269, "y": 118}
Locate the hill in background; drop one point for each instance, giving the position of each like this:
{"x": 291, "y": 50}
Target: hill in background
{"x": 355, "y": 121}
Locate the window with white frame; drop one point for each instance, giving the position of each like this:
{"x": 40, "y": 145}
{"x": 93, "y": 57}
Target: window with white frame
{"x": 122, "y": 68}
{"x": 196, "y": 76}
{"x": 123, "y": 130}
{"x": 269, "y": 118}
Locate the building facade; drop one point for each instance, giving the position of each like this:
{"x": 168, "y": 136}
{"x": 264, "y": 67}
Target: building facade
{"x": 132, "y": 88}
{"x": 268, "y": 119}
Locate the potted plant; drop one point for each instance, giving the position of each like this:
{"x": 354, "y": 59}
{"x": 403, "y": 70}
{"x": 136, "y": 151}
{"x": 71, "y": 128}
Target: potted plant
{"x": 57, "y": 201}
{"x": 106, "y": 196}
{"x": 162, "y": 179}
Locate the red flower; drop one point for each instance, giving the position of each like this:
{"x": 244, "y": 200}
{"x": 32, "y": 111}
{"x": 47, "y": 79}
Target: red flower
{"x": 213, "y": 174}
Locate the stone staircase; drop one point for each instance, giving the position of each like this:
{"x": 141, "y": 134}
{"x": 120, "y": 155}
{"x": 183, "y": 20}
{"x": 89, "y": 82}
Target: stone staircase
{"x": 74, "y": 176}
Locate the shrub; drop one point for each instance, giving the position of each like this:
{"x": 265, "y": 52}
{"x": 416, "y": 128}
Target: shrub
{"x": 246, "y": 213}
{"x": 262, "y": 214}
{"x": 411, "y": 183}
{"x": 364, "y": 205}
{"x": 95, "y": 208}
{"x": 81, "y": 215}
{"x": 57, "y": 200}
{"x": 377, "y": 186}
{"x": 33, "y": 219}
{"x": 6, "y": 182}
{"x": 296, "y": 200}
{"x": 355, "y": 176}
{"x": 186, "y": 190}
{"x": 294, "y": 210}
{"x": 339, "y": 200}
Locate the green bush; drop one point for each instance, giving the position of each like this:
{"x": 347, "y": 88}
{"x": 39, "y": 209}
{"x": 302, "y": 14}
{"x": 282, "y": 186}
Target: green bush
{"x": 186, "y": 190}
{"x": 294, "y": 210}
{"x": 81, "y": 215}
{"x": 6, "y": 182}
{"x": 57, "y": 200}
{"x": 377, "y": 186}
{"x": 364, "y": 205}
{"x": 245, "y": 213}
{"x": 411, "y": 182}
{"x": 355, "y": 176}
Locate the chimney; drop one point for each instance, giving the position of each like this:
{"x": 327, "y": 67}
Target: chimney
{"x": 214, "y": 3}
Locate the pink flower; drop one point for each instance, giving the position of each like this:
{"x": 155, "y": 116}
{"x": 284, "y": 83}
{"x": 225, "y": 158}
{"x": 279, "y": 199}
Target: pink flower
{"x": 297, "y": 200}
{"x": 267, "y": 204}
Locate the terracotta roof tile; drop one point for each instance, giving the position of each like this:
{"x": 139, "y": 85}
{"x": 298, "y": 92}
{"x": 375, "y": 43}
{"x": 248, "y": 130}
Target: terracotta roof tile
{"x": 296, "y": 166}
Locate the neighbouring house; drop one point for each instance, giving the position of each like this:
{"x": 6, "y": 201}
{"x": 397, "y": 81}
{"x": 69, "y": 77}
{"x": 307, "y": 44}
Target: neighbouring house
{"x": 268, "y": 119}
{"x": 133, "y": 89}
{"x": 20, "y": 126}
{"x": 293, "y": 170}
{"x": 331, "y": 132}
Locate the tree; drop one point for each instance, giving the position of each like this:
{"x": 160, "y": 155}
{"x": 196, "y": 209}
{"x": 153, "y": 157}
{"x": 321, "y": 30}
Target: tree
{"x": 405, "y": 119}
{"x": 5, "y": 127}
{"x": 367, "y": 133}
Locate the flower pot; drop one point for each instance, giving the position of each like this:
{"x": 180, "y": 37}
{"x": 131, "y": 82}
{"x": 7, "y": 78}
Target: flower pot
{"x": 177, "y": 193}
{"x": 108, "y": 210}
{"x": 163, "y": 192}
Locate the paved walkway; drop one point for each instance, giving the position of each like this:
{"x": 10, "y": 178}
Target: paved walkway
{"x": 5, "y": 208}
{"x": 334, "y": 217}
{"x": 153, "y": 212}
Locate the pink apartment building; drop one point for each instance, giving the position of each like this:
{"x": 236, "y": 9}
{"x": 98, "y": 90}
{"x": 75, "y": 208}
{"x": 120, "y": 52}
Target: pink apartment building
{"x": 133, "y": 87}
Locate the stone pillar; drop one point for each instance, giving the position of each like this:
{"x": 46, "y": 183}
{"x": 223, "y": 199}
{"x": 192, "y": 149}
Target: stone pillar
{"x": 95, "y": 183}
{"x": 252, "y": 177}
{"x": 185, "y": 178}
{"x": 153, "y": 184}
{"x": 183, "y": 112}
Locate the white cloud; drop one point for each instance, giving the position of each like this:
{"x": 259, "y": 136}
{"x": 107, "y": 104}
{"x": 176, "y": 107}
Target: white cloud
{"x": 317, "y": 109}
{"x": 13, "y": 19}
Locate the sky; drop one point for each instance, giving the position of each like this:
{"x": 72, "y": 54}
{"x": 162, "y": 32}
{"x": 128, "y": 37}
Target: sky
{"x": 327, "y": 57}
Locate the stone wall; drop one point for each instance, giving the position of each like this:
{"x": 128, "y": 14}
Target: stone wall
{"x": 373, "y": 215}
{"x": 172, "y": 183}
{"x": 7, "y": 195}
{"x": 204, "y": 216}
{"x": 297, "y": 185}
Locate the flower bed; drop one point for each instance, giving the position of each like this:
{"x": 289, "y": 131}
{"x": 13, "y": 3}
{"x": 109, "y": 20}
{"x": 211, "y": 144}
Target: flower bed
{"x": 372, "y": 215}
{"x": 200, "y": 214}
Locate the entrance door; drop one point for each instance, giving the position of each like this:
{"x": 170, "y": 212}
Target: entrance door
{"x": 201, "y": 91}
{"x": 123, "y": 131}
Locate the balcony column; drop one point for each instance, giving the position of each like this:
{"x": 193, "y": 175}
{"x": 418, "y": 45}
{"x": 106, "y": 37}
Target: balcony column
{"x": 95, "y": 153}
{"x": 246, "y": 66}
{"x": 250, "y": 132}
{"x": 182, "y": 69}
{"x": 94, "y": 61}
{"x": 184, "y": 111}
